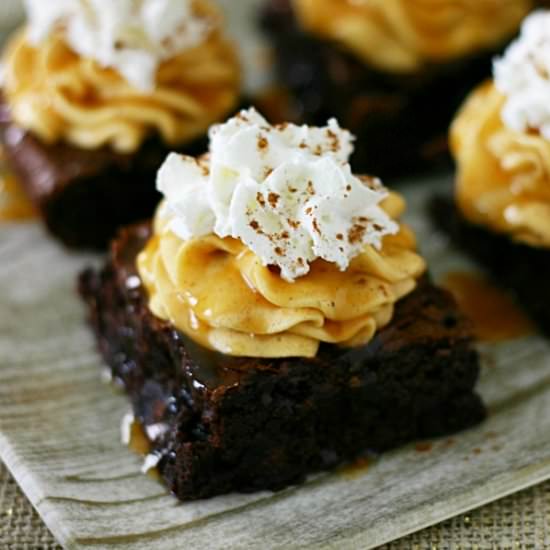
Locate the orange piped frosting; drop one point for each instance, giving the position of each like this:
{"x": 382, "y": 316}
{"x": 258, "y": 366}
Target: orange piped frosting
{"x": 403, "y": 35}
{"x": 503, "y": 179}
{"x": 218, "y": 292}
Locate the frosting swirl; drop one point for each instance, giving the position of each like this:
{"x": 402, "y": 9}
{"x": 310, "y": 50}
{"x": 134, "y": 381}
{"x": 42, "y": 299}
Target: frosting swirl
{"x": 503, "y": 179}
{"x": 218, "y": 292}
{"x": 501, "y": 140}
{"x": 59, "y": 95}
{"x": 403, "y": 35}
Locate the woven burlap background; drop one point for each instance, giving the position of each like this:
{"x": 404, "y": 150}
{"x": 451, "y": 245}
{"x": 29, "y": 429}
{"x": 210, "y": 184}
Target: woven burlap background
{"x": 519, "y": 522}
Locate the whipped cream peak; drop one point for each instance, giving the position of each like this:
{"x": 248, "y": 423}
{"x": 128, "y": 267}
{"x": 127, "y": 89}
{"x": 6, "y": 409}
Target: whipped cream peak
{"x": 130, "y": 36}
{"x": 286, "y": 191}
{"x": 522, "y": 74}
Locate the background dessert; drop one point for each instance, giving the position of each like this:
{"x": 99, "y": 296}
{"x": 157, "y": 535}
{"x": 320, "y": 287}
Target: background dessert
{"x": 276, "y": 319}
{"x": 394, "y": 71}
{"x": 93, "y": 100}
{"x": 500, "y": 140}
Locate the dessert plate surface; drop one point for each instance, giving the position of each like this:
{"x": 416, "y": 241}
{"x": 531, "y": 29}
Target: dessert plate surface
{"x": 59, "y": 433}
{"x": 60, "y": 436}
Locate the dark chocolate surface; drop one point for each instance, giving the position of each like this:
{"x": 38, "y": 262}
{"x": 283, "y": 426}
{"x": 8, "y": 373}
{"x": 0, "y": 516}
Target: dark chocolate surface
{"x": 247, "y": 424}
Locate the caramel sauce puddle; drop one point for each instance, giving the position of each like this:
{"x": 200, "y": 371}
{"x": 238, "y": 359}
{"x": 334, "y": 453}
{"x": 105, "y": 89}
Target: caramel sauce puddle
{"x": 139, "y": 443}
{"x": 356, "y": 469}
{"x": 494, "y": 314}
{"x": 14, "y": 205}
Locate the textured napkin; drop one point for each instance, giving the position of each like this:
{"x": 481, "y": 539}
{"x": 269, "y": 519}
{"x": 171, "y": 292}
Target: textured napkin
{"x": 521, "y": 521}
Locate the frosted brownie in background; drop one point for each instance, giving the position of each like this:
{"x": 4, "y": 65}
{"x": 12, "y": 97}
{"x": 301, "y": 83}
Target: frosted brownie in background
{"x": 501, "y": 143}
{"x": 92, "y": 101}
{"x": 393, "y": 71}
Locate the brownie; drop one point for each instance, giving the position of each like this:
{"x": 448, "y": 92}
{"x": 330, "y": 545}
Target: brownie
{"x": 518, "y": 267}
{"x": 401, "y": 121}
{"x": 84, "y": 195}
{"x": 246, "y": 424}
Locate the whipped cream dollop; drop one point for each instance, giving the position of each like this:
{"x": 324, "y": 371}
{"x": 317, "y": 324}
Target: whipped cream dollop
{"x": 131, "y": 36}
{"x": 287, "y": 192}
{"x": 522, "y": 74}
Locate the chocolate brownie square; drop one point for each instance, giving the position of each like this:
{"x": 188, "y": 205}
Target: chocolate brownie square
{"x": 246, "y": 424}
